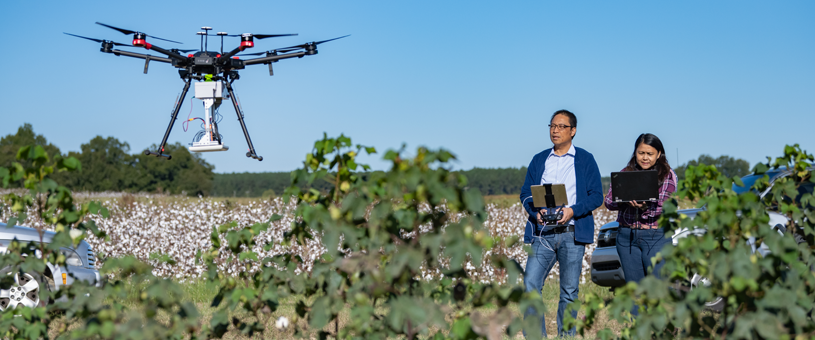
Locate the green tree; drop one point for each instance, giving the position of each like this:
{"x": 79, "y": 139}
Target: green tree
{"x": 501, "y": 181}
{"x": 186, "y": 172}
{"x": 25, "y": 136}
{"x": 106, "y": 166}
{"x": 727, "y": 165}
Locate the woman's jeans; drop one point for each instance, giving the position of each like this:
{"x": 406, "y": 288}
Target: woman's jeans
{"x": 546, "y": 249}
{"x": 636, "y": 247}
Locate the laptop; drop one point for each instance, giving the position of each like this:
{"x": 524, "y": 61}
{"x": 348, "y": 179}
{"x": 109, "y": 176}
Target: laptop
{"x": 640, "y": 186}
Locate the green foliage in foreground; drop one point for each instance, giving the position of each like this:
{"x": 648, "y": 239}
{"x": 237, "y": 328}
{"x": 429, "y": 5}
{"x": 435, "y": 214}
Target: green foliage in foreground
{"x": 382, "y": 229}
{"x": 100, "y": 310}
{"x": 766, "y": 297}
{"x": 379, "y": 232}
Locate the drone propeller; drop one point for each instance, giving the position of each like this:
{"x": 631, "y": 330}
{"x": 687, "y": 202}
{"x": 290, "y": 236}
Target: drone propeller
{"x": 99, "y": 40}
{"x": 259, "y": 36}
{"x": 128, "y": 32}
{"x": 261, "y": 53}
{"x": 293, "y": 48}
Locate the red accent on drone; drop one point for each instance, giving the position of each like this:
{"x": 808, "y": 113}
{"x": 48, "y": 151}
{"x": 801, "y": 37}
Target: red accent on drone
{"x": 139, "y": 42}
{"x": 247, "y": 44}
{"x": 235, "y": 57}
{"x": 218, "y": 55}
{"x": 147, "y": 45}
{"x": 190, "y": 55}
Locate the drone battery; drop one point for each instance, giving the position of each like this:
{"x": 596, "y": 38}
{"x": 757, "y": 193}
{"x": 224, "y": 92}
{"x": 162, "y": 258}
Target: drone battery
{"x": 209, "y": 89}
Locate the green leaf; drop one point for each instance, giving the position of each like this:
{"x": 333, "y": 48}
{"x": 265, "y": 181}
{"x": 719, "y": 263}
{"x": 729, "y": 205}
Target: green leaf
{"x": 474, "y": 200}
{"x": 462, "y": 329}
{"x": 69, "y": 164}
{"x": 760, "y": 168}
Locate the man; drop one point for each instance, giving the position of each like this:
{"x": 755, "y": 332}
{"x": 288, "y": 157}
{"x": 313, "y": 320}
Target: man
{"x": 565, "y": 241}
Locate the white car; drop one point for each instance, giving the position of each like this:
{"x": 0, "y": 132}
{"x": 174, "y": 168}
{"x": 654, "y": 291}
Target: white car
{"x": 80, "y": 264}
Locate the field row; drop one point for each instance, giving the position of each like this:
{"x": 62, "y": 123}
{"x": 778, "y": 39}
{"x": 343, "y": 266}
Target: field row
{"x": 145, "y": 224}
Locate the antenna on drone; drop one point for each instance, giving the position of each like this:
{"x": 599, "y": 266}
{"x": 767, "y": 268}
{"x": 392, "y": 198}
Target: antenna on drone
{"x": 206, "y": 31}
{"x": 222, "y": 34}
{"x": 202, "y": 34}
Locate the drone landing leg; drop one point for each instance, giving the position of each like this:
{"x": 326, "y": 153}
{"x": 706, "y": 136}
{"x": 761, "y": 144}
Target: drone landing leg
{"x": 160, "y": 151}
{"x": 251, "y": 153}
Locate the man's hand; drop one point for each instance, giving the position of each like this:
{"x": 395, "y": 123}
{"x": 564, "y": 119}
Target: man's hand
{"x": 540, "y": 217}
{"x": 568, "y": 213}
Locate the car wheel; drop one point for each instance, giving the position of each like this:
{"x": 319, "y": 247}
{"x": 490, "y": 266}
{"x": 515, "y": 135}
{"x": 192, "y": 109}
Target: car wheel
{"x": 27, "y": 289}
{"x": 717, "y": 304}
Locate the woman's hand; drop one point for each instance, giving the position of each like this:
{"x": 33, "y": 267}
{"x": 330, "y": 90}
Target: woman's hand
{"x": 636, "y": 205}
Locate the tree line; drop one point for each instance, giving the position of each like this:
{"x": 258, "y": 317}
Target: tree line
{"x": 108, "y": 165}
{"x": 502, "y": 181}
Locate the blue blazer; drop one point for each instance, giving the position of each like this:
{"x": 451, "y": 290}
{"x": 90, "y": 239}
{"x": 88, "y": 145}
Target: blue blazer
{"x": 588, "y": 187}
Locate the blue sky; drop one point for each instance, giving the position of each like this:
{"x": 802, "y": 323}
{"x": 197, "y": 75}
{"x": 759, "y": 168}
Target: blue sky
{"x": 479, "y": 78}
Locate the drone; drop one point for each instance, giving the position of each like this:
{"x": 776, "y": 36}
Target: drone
{"x": 213, "y": 72}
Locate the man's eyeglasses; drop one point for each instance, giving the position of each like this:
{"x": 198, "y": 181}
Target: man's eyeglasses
{"x": 558, "y": 127}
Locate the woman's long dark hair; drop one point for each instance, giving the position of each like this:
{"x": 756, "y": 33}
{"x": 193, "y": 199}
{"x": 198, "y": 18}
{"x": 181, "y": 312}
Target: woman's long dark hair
{"x": 661, "y": 165}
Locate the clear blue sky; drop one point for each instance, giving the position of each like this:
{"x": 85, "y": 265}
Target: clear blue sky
{"x": 478, "y": 78}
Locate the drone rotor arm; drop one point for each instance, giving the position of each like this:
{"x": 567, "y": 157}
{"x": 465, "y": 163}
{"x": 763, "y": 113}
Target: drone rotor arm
{"x": 171, "y": 54}
{"x": 273, "y": 58}
{"x": 141, "y": 56}
{"x": 229, "y": 54}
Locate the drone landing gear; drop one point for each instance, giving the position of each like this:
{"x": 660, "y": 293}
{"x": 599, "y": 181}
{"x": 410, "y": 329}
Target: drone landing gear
{"x": 160, "y": 151}
{"x": 211, "y": 140}
{"x": 251, "y": 153}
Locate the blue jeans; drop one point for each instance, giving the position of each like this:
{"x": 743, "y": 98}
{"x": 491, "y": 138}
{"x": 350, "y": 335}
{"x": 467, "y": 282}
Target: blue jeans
{"x": 636, "y": 248}
{"x": 546, "y": 249}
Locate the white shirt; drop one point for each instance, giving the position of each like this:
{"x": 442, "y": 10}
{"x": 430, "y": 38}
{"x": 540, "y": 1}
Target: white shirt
{"x": 560, "y": 170}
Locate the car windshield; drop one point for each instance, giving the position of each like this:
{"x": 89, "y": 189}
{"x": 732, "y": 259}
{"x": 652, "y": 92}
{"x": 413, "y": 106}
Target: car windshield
{"x": 805, "y": 188}
{"x": 749, "y": 180}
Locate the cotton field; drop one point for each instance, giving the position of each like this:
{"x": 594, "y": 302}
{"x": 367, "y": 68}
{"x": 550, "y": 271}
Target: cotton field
{"x": 145, "y": 224}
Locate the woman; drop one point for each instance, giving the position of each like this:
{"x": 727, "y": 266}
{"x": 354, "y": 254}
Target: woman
{"x": 639, "y": 237}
